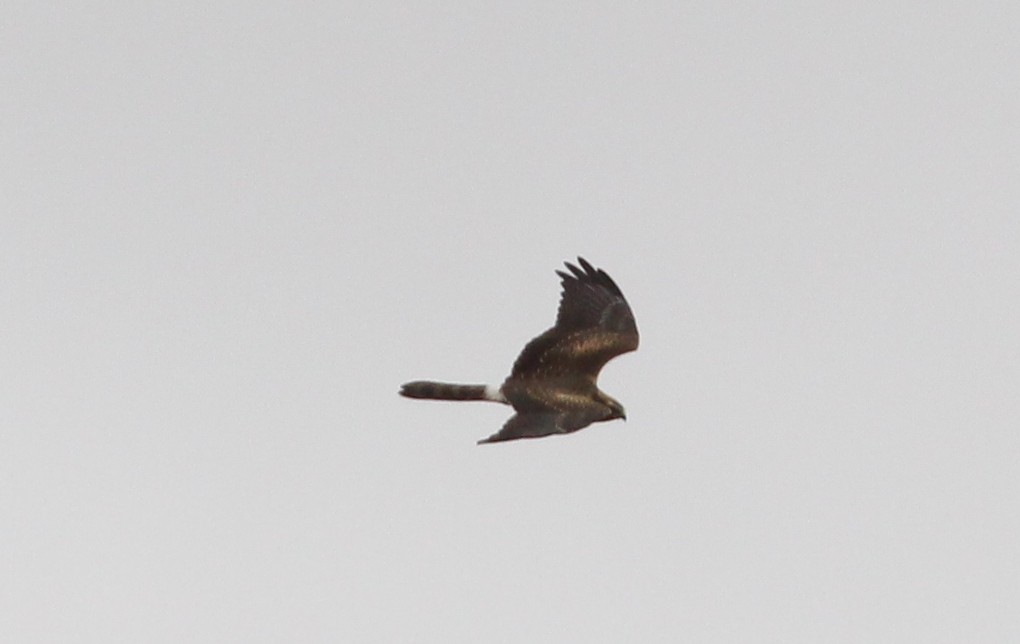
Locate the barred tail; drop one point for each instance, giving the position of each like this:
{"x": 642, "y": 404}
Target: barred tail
{"x": 446, "y": 391}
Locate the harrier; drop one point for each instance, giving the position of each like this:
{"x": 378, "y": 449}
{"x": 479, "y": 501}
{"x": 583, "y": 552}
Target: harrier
{"x": 552, "y": 386}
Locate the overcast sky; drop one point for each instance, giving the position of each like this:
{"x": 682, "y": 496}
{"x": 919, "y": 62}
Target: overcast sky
{"x": 230, "y": 231}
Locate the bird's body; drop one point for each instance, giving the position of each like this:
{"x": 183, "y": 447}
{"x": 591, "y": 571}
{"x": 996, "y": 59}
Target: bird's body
{"x": 552, "y": 385}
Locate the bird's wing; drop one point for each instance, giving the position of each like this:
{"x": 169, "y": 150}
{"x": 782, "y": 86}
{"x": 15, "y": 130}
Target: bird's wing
{"x": 593, "y": 325}
{"x": 545, "y": 423}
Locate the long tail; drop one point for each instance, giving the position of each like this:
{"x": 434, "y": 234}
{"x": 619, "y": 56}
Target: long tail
{"x": 446, "y": 391}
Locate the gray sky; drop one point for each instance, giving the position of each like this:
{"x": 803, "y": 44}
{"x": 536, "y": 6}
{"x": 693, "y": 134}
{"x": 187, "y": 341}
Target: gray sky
{"x": 230, "y": 232}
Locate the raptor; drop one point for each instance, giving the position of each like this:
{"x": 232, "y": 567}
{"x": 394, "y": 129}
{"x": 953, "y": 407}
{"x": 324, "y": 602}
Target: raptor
{"x": 553, "y": 384}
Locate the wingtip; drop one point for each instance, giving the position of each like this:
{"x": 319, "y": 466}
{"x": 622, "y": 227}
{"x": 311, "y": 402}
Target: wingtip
{"x": 577, "y": 273}
{"x": 594, "y": 274}
{"x": 581, "y": 270}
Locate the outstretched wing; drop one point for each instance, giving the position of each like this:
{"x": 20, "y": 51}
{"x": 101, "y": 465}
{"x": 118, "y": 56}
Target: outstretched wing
{"x": 594, "y": 324}
{"x": 536, "y": 424}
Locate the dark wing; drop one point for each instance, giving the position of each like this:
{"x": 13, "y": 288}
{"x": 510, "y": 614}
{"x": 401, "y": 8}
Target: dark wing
{"x": 594, "y": 324}
{"x": 545, "y": 423}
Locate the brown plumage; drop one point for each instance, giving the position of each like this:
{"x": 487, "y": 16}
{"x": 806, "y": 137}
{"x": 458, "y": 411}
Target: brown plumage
{"x": 552, "y": 385}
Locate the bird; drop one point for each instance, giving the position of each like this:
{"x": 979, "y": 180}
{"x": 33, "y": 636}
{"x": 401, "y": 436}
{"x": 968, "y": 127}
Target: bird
{"x": 552, "y": 386}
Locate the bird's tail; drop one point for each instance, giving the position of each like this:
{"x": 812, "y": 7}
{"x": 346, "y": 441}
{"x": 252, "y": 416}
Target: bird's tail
{"x": 446, "y": 391}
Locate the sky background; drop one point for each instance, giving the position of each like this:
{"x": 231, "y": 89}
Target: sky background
{"x": 230, "y": 231}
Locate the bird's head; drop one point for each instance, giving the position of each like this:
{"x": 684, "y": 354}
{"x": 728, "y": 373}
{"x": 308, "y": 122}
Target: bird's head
{"x": 616, "y": 410}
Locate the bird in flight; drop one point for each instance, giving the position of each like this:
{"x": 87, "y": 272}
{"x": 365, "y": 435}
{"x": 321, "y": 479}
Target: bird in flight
{"x": 552, "y": 386}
